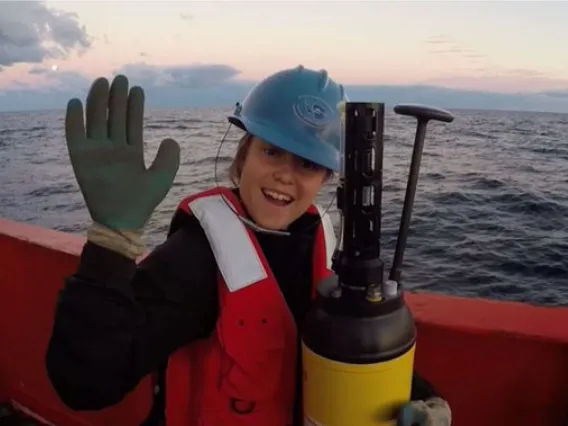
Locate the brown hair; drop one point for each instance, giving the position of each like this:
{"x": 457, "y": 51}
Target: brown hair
{"x": 236, "y": 167}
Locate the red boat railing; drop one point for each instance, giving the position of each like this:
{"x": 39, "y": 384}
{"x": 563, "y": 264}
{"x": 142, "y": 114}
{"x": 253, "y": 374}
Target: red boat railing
{"x": 497, "y": 363}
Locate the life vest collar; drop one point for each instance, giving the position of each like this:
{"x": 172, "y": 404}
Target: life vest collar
{"x": 236, "y": 256}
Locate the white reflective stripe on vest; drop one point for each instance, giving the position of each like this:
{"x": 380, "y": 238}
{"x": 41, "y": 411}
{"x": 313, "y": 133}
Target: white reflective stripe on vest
{"x": 236, "y": 257}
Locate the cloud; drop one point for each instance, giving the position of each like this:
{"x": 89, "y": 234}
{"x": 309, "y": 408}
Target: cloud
{"x": 169, "y": 86}
{"x": 54, "y": 80}
{"x": 30, "y": 32}
{"x": 215, "y": 85}
{"x": 186, "y": 76}
{"x": 439, "y": 39}
{"x": 151, "y": 77}
{"x": 458, "y": 99}
{"x": 503, "y": 81}
{"x": 35, "y": 70}
{"x": 477, "y": 71}
{"x": 556, "y": 94}
{"x": 445, "y": 45}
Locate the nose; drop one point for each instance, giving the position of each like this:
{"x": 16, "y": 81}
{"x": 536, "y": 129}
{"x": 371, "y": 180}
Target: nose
{"x": 285, "y": 170}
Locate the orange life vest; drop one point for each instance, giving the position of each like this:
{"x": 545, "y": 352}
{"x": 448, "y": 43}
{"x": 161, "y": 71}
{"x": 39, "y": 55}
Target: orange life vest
{"x": 244, "y": 373}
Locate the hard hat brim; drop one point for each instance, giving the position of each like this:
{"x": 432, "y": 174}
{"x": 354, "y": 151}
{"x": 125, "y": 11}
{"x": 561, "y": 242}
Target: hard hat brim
{"x": 318, "y": 152}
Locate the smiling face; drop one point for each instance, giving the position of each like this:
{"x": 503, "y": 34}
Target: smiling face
{"x": 277, "y": 187}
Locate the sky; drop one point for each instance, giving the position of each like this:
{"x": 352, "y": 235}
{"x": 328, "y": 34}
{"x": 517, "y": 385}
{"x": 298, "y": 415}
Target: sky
{"x": 454, "y": 54}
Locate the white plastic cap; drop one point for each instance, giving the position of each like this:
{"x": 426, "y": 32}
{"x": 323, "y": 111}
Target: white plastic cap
{"x": 390, "y": 288}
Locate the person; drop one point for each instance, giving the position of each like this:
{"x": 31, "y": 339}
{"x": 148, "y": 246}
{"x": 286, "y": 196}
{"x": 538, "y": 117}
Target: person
{"x": 213, "y": 311}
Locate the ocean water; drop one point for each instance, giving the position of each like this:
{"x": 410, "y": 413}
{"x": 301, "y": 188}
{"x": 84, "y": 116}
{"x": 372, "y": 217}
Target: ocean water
{"x": 490, "y": 216}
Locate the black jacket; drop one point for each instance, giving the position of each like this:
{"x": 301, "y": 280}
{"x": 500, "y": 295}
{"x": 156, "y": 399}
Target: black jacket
{"x": 116, "y": 322}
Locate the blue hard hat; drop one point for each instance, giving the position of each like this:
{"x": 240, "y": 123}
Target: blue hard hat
{"x": 296, "y": 110}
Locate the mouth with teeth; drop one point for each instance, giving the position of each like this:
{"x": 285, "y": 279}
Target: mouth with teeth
{"x": 277, "y": 198}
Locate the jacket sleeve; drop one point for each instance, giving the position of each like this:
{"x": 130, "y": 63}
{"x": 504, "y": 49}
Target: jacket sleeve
{"x": 116, "y": 322}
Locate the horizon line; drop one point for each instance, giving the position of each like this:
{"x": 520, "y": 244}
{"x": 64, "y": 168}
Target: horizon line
{"x": 390, "y": 108}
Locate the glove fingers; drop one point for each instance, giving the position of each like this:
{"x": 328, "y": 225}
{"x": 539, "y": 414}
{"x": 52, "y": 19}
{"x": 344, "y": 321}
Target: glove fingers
{"x": 117, "y": 103}
{"x": 97, "y": 102}
{"x": 74, "y": 125}
{"x": 135, "y": 120}
{"x": 166, "y": 164}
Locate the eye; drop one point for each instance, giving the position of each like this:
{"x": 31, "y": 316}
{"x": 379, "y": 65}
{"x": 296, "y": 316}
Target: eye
{"x": 310, "y": 166}
{"x": 271, "y": 152}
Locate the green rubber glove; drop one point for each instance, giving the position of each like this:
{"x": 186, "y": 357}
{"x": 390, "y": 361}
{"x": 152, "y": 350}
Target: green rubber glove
{"x": 107, "y": 156}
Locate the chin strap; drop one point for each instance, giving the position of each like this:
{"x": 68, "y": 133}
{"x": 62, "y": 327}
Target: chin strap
{"x": 257, "y": 228}
{"x": 250, "y": 223}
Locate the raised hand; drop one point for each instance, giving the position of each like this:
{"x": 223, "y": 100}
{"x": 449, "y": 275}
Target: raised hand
{"x": 107, "y": 156}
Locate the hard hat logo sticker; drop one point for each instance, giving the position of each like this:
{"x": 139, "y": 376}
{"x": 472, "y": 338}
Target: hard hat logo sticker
{"x": 313, "y": 110}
